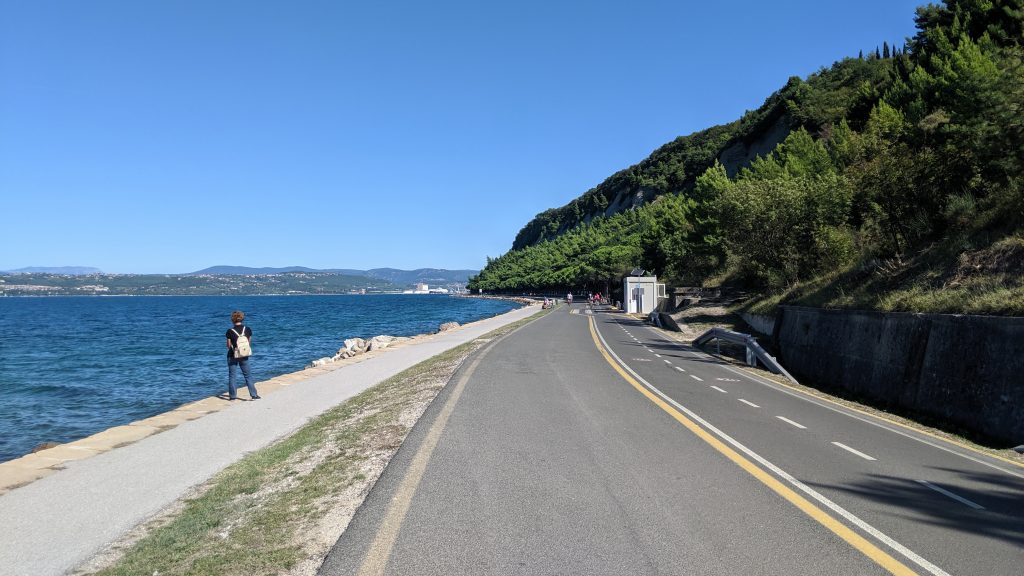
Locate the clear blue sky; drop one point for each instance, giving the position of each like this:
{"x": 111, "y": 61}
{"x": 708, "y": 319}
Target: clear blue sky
{"x": 171, "y": 136}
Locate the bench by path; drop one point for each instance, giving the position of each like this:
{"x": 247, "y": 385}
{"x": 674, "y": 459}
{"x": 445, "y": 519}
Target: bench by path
{"x": 59, "y": 521}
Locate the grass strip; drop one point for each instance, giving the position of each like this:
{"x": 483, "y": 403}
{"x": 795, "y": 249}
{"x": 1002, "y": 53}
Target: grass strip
{"x": 280, "y": 508}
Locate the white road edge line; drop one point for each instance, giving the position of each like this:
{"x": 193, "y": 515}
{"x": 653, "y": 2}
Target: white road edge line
{"x": 882, "y": 425}
{"x": 852, "y": 451}
{"x": 749, "y": 403}
{"x": 697, "y": 378}
{"x": 945, "y": 492}
{"x": 797, "y": 424}
{"x": 719, "y": 389}
{"x": 844, "y": 513}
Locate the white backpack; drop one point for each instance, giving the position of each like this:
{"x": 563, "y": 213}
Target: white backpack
{"x": 242, "y": 347}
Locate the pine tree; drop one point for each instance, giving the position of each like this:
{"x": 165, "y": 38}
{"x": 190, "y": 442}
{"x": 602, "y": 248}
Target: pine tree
{"x": 860, "y": 55}
{"x": 885, "y": 50}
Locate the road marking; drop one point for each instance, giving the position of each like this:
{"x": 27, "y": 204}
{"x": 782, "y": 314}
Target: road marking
{"x": 719, "y": 389}
{"x": 697, "y": 378}
{"x": 945, "y": 492}
{"x": 380, "y": 549}
{"x": 868, "y": 418}
{"x": 658, "y": 355}
{"x": 852, "y": 451}
{"x": 727, "y": 379}
{"x": 680, "y": 369}
{"x": 749, "y": 403}
{"x": 880, "y": 422}
{"x": 708, "y": 434}
{"x": 788, "y": 421}
{"x": 641, "y": 359}
{"x": 669, "y": 362}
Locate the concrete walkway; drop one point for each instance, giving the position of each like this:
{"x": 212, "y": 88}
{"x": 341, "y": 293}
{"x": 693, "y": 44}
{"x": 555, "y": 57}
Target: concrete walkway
{"x": 57, "y": 522}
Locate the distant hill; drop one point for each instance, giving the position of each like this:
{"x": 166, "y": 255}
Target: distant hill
{"x": 66, "y": 270}
{"x": 244, "y": 270}
{"x": 886, "y": 181}
{"x": 434, "y": 276}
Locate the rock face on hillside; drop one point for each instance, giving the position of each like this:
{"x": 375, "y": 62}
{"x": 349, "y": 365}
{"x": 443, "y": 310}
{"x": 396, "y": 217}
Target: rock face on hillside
{"x": 740, "y": 154}
{"x": 672, "y": 168}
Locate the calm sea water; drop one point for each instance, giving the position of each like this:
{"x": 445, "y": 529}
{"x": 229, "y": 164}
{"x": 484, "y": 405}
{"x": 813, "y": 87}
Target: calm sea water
{"x": 71, "y": 367}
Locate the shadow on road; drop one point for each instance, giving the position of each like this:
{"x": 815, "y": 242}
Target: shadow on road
{"x": 1002, "y": 497}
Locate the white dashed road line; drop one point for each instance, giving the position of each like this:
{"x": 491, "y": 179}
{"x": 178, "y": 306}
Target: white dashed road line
{"x": 945, "y": 492}
{"x": 669, "y": 362}
{"x": 797, "y": 424}
{"x": 749, "y": 403}
{"x": 719, "y": 389}
{"x": 680, "y": 369}
{"x": 852, "y": 451}
{"x": 697, "y": 378}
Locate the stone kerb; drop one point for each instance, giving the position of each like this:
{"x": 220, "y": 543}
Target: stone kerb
{"x": 31, "y": 467}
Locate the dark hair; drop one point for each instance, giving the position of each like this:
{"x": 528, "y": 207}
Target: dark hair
{"x": 237, "y": 316}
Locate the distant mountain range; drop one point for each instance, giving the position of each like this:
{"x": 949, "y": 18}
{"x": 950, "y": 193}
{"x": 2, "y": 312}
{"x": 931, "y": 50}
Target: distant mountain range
{"x": 431, "y": 276}
{"x": 435, "y": 276}
{"x": 67, "y": 270}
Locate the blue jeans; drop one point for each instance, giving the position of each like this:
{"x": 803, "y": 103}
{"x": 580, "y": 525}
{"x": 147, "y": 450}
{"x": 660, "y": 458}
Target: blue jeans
{"x": 242, "y": 363}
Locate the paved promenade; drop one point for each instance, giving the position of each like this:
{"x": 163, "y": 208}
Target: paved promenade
{"x": 57, "y": 522}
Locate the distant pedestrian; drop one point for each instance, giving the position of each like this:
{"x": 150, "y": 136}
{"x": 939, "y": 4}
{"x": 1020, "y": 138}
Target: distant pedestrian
{"x": 239, "y": 350}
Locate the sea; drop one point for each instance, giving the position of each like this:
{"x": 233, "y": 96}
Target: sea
{"x": 74, "y": 366}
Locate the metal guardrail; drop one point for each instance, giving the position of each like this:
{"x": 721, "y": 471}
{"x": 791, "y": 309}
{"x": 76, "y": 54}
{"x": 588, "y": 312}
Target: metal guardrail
{"x": 754, "y": 351}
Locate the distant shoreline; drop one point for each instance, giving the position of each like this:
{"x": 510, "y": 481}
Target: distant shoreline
{"x": 483, "y": 296}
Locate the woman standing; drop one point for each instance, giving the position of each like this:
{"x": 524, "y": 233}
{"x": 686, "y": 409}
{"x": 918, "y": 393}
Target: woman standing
{"x": 239, "y": 350}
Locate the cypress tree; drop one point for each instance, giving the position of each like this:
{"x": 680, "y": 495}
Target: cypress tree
{"x": 885, "y": 50}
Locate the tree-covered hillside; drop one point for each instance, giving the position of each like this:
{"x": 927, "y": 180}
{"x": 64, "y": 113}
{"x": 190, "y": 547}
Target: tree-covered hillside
{"x": 890, "y": 181}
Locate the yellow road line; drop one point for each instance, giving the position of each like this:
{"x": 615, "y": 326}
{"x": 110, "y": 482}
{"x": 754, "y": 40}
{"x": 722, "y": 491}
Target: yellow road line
{"x": 857, "y": 541}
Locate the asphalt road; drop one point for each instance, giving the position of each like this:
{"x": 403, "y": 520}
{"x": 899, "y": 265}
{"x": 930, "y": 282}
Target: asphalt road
{"x": 542, "y": 457}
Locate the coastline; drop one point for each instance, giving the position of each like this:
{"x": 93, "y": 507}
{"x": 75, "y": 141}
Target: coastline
{"x": 28, "y": 468}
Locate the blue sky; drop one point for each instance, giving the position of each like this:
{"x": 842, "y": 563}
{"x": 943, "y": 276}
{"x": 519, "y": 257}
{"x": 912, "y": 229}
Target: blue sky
{"x": 168, "y": 137}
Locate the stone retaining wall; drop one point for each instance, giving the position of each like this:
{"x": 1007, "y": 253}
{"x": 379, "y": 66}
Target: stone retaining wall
{"x": 759, "y": 322}
{"x": 966, "y": 370}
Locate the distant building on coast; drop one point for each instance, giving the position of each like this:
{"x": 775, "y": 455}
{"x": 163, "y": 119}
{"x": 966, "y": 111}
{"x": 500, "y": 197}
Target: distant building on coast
{"x": 426, "y": 289}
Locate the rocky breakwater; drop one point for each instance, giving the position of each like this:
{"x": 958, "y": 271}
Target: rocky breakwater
{"x": 356, "y": 346}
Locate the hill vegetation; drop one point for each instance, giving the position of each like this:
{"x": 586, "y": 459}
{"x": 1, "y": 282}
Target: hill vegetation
{"x": 890, "y": 181}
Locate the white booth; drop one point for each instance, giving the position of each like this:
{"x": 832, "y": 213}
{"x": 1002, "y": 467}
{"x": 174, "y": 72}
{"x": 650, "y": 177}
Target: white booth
{"x": 641, "y": 293}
